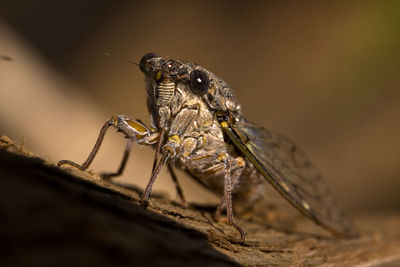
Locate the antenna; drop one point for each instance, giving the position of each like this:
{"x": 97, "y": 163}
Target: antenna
{"x": 120, "y": 59}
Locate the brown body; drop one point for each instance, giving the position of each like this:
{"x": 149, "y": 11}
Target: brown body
{"x": 197, "y": 125}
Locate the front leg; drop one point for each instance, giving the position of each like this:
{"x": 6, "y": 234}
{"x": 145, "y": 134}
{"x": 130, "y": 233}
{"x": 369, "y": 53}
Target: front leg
{"x": 136, "y": 132}
{"x": 133, "y": 129}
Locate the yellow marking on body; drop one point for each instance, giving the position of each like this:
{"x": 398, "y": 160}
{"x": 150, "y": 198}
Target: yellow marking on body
{"x": 115, "y": 120}
{"x": 158, "y": 75}
{"x": 240, "y": 162}
{"x": 214, "y": 170}
{"x": 175, "y": 139}
{"x": 137, "y": 126}
{"x": 170, "y": 149}
{"x": 305, "y": 205}
{"x": 221, "y": 157}
{"x": 203, "y": 141}
{"x": 201, "y": 157}
{"x": 224, "y": 124}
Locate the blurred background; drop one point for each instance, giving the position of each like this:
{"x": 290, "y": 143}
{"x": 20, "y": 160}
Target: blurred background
{"x": 325, "y": 75}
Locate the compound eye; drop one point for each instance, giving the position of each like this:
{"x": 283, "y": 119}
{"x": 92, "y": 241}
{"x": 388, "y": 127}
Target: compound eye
{"x": 146, "y": 58}
{"x": 199, "y": 82}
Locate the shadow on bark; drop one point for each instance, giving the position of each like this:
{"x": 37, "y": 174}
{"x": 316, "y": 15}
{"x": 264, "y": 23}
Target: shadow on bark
{"x": 52, "y": 216}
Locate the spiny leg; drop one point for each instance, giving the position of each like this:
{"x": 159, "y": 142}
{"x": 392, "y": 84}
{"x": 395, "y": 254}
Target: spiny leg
{"x": 128, "y": 147}
{"x": 237, "y": 166}
{"x": 95, "y": 149}
{"x": 177, "y": 185}
{"x": 133, "y": 129}
{"x": 146, "y": 194}
{"x": 228, "y": 199}
{"x": 171, "y": 171}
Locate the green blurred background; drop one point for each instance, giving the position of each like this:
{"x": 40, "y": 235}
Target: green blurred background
{"x": 324, "y": 74}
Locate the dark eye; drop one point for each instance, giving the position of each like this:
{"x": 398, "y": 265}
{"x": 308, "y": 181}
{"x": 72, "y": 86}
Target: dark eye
{"x": 199, "y": 82}
{"x": 144, "y": 59}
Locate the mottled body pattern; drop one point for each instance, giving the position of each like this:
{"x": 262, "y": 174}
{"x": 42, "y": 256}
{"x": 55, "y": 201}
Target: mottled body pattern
{"x": 197, "y": 125}
{"x": 192, "y": 118}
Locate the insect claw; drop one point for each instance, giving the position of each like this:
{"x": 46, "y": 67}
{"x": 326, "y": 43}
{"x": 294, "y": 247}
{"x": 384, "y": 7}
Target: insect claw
{"x": 242, "y": 234}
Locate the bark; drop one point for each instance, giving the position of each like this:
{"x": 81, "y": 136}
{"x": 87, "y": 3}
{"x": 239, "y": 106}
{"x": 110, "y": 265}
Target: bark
{"x": 64, "y": 217}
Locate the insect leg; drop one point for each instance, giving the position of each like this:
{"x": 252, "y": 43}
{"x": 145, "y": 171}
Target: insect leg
{"x": 177, "y": 185}
{"x": 158, "y": 149}
{"x": 237, "y": 166}
{"x": 128, "y": 148}
{"x": 171, "y": 171}
{"x": 133, "y": 129}
{"x": 228, "y": 186}
{"x": 109, "y": 175}
{"x": 95, "y": 149}
{"x": 178, "y": 127}
{"x": 146, "y": 194}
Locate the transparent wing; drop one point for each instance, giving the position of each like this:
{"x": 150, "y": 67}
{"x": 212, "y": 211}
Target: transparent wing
{"x": 291, "y": 173}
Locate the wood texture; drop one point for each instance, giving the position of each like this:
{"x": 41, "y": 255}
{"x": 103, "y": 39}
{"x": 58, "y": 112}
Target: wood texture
{"x": 53, "y": 216}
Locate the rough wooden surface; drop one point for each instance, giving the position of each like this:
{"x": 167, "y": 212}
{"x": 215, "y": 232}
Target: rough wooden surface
{"x": 51, "y": 216}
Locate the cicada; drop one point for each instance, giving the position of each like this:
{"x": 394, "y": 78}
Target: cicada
{"x": 197, "y": 125}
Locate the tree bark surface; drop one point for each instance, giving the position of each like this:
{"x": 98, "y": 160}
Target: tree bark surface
{"x": 65, "y": 217}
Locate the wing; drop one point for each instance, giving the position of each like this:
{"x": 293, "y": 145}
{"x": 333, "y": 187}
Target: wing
{"x": 291, "y": 173}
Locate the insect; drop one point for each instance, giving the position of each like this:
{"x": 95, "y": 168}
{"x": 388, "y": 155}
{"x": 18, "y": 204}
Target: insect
{"x": 197, "y": 125}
